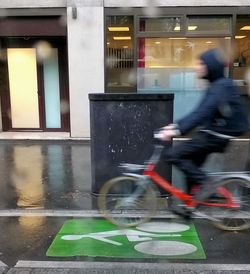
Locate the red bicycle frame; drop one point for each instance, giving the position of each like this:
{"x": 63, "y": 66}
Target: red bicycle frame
{"x": 186, "y": 198}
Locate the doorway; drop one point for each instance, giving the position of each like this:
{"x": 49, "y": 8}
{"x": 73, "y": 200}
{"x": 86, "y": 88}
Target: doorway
{"x": 34, "y": 86}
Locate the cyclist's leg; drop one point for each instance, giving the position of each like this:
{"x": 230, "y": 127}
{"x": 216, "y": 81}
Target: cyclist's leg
{"x": 198, "y": 161}
{"x": 187, "y": 154}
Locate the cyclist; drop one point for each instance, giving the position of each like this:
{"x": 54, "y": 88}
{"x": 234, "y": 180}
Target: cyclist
{"x": 219, "y": 116}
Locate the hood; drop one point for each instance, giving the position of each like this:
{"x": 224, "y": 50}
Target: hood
{"x": 215, "y": 64}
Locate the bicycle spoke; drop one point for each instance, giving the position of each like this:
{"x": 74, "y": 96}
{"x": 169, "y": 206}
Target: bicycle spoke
{"x": 232, "y": 218}
{"x": 134, "y": 202}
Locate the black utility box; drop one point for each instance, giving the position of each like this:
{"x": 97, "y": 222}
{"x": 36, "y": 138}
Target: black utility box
{"x": 122, "y": 127}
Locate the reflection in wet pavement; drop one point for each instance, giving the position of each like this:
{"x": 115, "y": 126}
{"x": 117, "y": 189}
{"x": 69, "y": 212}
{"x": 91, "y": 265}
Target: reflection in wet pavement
{"x": 45, "y": 174}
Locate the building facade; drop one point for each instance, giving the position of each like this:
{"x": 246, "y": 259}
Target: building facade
{"x": 55, "y": 52}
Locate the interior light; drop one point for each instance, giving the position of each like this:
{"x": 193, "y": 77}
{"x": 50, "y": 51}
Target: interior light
{"x": 122, "y": 37}
{"x": 177, "y": 28}
{"x": 157, "y": 66}
{"x": 118, "y": 28}
{"x": 245, "y": 28}
{"x": 209, "y": 42}
{"x": 177, "y": 38}
{"x": 227, "y": 38}
{"x": 240, "y": 36}
{"x": 157, "y": 42}
{"x": 125, "y": 47}
{"x": 108, "y": 43}
{"x": 192, "y": 27}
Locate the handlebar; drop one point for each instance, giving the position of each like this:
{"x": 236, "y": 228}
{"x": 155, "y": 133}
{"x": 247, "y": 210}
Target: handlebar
{"x": 157, "y": 134}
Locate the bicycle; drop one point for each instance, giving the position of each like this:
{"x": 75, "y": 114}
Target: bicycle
{"x": 132, "y": 199}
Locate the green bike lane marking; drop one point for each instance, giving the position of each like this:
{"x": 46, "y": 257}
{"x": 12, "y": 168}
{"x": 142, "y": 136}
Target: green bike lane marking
{"x": 98, "y": 238}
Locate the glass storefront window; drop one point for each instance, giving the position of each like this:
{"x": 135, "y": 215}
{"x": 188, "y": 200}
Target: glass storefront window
{"x": 168, "y": 65}
{"x": 241, "y": 64}
{"x": 120, "y": 53}
{"x": 209, "y": 24}
{"x": 242, "y": 50}
{"x": 161, "y": 24}
{"x": 52, "y": 90}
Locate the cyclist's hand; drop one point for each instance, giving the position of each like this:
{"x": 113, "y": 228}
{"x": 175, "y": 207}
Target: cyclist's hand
{"x": 167, "y": 134}
{"x": 169, "y": 127}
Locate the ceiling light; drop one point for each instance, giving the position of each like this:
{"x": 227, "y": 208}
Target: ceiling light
{"x": 245, "y": 28}
{"x": 177, "y": 38}
{"x": 177, "y": 28}
{"x": 157, "y": 66}
{"x": 118, "y": 28}
{"x": 240, "y": 37}
{"x": 192, "y": 27}
{"x": 157, "y": 42}
{"x": 209, "y": 42}
{"x": 122, "y": 37}
{"x": 125, "y": 47}
{"x": 227, "y": 38}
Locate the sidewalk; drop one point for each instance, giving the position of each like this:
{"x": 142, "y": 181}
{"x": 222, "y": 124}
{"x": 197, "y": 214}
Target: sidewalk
{"x": 129, "y": 268}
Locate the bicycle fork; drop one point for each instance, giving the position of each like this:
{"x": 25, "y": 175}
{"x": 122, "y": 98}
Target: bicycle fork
{"x": 141, "y": 187}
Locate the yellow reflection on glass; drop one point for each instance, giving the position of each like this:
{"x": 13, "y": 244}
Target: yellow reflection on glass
{"x": 23, "y": 87}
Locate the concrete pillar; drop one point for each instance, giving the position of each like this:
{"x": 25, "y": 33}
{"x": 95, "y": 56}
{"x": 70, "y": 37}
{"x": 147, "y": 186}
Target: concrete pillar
{"x": 86, "y": 64}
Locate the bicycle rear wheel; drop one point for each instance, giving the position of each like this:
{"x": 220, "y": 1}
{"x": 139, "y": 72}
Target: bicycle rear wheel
{"x": 118, "y": 204}
{"x": 225, "y": 217}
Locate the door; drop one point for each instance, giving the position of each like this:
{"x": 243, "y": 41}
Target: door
{"x": 36, "y": 86}
{"x": 23, "y": 88}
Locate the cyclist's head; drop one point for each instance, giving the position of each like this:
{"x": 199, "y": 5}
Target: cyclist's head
{"x": 211, "y": 65}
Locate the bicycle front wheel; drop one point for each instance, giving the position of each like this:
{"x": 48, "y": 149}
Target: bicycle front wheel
{"x": 125, "y": 202}
{"x": 226, "y": 217}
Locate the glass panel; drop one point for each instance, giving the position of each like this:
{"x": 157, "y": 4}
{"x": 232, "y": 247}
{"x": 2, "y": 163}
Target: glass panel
{"x": 168, "y": 65}
{"x": 120, "y": 53}
{"x": 164, "y": 24}
{"x": 203, "y": 24}
{"x": 23, "y": 87}
{"x": 52, "y": 90}
{"x": 241, "y": 64}
{"x": 242, "y": 53}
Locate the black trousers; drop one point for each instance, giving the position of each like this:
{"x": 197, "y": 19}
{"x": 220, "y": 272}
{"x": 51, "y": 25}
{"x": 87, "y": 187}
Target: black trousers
{"x": 189, "y": 155}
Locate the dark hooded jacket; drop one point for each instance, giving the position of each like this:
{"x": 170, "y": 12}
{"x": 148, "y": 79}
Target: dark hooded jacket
{"x": 220, "y": 110}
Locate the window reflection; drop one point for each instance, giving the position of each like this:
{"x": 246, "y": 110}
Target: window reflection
{"x": 242, "y": 52}
{"x": 161, "y": 24}
{"x": 120, "y": 53}
{"x": 29, "y": 185}
{"x": 168, "y": 65}
{"x": 208, "y": 24}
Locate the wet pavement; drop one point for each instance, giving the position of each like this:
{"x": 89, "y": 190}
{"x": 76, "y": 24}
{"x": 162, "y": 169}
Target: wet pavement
{"x": 28, "y": 239}
{"x": 45, "y": 175}
{"x": 55, "y": 176}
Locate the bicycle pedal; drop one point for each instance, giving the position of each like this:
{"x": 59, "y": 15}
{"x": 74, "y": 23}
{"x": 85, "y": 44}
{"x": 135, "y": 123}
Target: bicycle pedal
{"x": 184, "y": 212}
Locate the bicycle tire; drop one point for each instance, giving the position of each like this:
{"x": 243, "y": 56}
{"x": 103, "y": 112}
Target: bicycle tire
{"x": 232, "y": 219}
{"x": 113, "y": 206}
